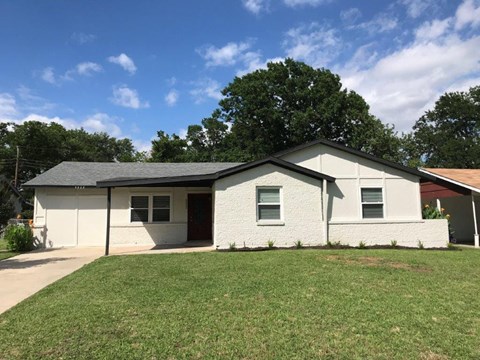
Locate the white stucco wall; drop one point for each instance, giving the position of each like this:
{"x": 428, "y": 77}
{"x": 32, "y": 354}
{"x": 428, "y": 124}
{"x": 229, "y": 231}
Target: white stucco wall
{"x": 432, "y": 233}
{"x": 401, "y": 190}
{"x": 77, "y": 217}
{"x": 236, "y": 209}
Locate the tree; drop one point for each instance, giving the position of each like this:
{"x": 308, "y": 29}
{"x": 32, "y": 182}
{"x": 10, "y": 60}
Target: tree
{"x": 285, "y": 105}
{"x": 43, "y": 146}
{"x": 449, "y": 135}
{"x": 291, "y": 103}
{"x": 168, "y": 148}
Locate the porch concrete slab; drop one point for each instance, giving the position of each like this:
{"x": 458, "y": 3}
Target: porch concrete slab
{"x": 23, "y": 275}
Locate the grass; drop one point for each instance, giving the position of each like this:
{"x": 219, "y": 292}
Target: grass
{"x": 4, "y": 253}
{"x": 293, "y": 304}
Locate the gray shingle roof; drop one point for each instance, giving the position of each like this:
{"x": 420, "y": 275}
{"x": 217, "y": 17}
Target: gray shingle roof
{"x": 88, "y": 173}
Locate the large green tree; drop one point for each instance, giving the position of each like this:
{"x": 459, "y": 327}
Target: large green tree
{"x": 43, "y": 146}
{"x": 287, "y": 104}
{"x": 449, "y": 135}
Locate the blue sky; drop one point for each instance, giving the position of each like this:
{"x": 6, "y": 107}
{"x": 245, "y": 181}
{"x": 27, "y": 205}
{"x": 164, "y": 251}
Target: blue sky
{"x": 131, "y": 68}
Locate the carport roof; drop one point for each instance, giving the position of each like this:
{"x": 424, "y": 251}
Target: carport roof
{"x": 467, "y": 178}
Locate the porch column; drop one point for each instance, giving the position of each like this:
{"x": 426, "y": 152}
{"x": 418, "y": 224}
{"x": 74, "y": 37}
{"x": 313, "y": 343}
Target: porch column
{"x": 475, "y": 236}
{"x": 109, "y": 206}
{"x": 325, "y": 211}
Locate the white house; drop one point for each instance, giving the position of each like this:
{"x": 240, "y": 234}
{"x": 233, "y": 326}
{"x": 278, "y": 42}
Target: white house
{"x": 314, "y": 193}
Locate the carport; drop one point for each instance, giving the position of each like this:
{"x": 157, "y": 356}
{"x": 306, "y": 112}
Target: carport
{"x": 458, "y": 192}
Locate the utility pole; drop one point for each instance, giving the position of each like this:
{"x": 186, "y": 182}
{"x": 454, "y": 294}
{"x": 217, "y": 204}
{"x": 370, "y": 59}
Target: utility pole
{"x": 16, "y": 168}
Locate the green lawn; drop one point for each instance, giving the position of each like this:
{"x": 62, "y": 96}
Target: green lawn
{"x": 295, "y": 304}
{"x": 4, "y": 254}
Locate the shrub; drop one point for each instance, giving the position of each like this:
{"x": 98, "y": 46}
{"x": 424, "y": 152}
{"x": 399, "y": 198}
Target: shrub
{"x": 232, "y": 246}
{"x": 420, "y": 245}
{"x": 270, "y": 244}
{"x": 298, "y": 244}
{"x": 393, "y": 243}
{"x": 431, "y": 212}
{"x": 19, "y": 237}
{"x": 362, "y": 245}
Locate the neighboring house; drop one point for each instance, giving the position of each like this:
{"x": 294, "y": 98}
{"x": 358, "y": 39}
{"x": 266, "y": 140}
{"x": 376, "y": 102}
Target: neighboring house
{"x": 458, "y": 191}
{"x": 314, "y": 193}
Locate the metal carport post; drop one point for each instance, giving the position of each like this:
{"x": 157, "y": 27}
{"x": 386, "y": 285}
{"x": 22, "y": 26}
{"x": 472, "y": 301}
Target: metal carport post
{"x": 109, "y": 206}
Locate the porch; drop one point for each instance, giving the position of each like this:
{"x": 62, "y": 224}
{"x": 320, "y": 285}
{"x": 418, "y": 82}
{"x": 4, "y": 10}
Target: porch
{"x": 458, "y": 192}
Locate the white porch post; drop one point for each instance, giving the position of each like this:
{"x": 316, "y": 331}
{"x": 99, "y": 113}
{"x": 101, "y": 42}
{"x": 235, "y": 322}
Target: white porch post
{"x": 325, "y": 210}
{"x": 476, "y": 236}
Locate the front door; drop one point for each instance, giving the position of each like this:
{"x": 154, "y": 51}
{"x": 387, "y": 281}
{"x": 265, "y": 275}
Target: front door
{"x": 199, "y": 217}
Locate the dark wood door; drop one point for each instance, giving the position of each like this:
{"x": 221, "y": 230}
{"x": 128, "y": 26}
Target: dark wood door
{"x": 199, "y": 217}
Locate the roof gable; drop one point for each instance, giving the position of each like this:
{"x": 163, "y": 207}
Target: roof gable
{"x": 391, "y": 164}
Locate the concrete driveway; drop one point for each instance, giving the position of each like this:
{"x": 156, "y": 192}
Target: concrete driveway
{"x": 23, "y": 275}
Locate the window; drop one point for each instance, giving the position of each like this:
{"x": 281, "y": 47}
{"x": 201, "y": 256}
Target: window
{"x": 372, "y": 203}
{"x": 139, "y": 209}
{"x": 161, "y": 208}
{"x": 268, "y": 204}
{"x": 150, "y": 208}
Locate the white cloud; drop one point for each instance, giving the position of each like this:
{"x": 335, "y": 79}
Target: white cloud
{"x": 294, "y": 3}
{"x": 227, "y": 55}
{"x": 88, "y": 68}
{"x": 101, "y": 122}
{"x": 183, "y": 133}
{"x": 172, "y": 97}
{"x": 416, "y": 8}
{"x": 32, "y": 102}
{"x": 126, "y": 97}
{"x": 468, "y": 13}
{"x": 380, "y": 23}
{"x": 255, "y": 6}
{"x": 433, "y": 30}
{"x": 315, "y": 44}
{"x": 350, "y": 16}
{"x": 8, "y": 107}
{"x": 142, "y": 145}
{"x": 11, "y": 111}
{"x": 172, "y": 81}
{"x": 402, "y": 85}
{"x": 253, "y": 61}
{"x": 204, "y": 89}
{"x": 48, "y": 75}
{"x": 125, "y": 62}
{"x": 82, "y": 38}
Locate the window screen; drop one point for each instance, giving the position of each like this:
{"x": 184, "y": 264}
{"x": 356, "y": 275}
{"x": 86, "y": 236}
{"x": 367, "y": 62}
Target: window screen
{"x": 372, "y": 203}
{"x": 139, "y": 209}
{"x": 268, "y": 201}
{"x": 161, "y": 208}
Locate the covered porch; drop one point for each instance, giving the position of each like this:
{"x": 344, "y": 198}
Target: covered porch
{"x": 164, "y": 214}
{"x": 458, "y": 192}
